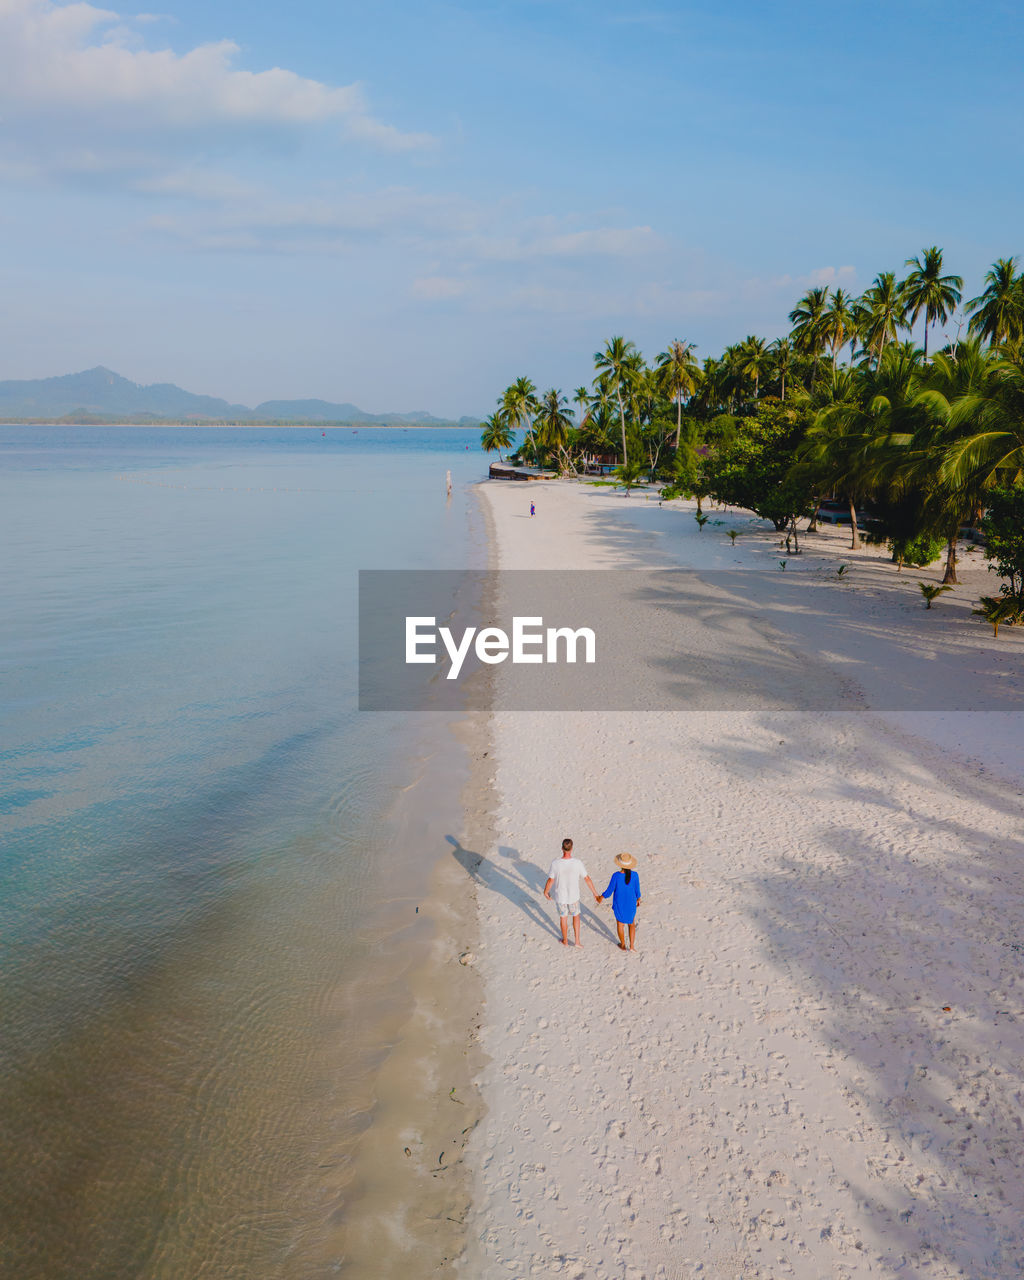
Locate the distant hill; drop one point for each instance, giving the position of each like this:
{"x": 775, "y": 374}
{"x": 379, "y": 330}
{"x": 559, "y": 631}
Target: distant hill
{"x": 100, "y": 394}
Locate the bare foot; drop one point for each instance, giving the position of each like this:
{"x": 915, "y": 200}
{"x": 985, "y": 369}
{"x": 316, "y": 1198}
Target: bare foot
{"x": 622, "y": 946}
{"x": 563, "y": 942}
{"x": 632, "y": 948}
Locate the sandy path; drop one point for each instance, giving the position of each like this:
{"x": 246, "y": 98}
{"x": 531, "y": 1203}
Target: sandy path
{"x": 812, "y": 1066}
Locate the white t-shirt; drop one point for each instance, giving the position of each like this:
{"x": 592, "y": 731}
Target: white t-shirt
{"x": 568, "y": 874}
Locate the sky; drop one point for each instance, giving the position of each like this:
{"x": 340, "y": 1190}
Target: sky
{"x": 408, "y": 204}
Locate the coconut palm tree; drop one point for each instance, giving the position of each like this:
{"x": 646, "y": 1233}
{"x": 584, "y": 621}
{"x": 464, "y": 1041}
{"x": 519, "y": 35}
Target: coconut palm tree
{"x": 782, "y": 361}
{"x": 927, "y": 289}
{"x": 581, "y": 398}
{"x": 553, "y": 422}
{"x": 496, "y": 434}
{"x": 957, "y": 495}
{"x": 752, "y": 359}
{"x": 881, "y": 313}
{"x": 679, "y": 375}
{"x": 618, "y": 362}
{"x": 998, "y": 311}
{"x": 849, "y": 447}
{"x": 519, "y": 404}
{"x": 987, "y": 423}
{"x": 839, "y": 322}
{"x": 808, "y": 321}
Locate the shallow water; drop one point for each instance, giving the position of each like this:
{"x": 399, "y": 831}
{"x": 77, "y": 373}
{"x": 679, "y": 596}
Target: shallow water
{"x": 198, "y": 888}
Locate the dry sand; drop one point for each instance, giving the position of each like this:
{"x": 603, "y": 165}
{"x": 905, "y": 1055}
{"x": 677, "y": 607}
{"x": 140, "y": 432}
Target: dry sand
{"x": 812, "y": 1066}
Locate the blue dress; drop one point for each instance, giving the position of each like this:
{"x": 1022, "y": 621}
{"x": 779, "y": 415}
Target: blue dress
{"x": 624, "y": 896}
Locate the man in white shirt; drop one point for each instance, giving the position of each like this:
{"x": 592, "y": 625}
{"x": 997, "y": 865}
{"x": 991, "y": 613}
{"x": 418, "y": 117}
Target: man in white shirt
{"x": 567, "y": 874}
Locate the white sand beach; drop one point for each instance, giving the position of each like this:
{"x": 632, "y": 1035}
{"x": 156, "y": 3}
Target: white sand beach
{"x": 812, "y": 1066}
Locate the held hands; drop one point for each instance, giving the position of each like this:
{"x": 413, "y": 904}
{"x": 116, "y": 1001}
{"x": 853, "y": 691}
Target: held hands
{"x": 598, "y": 898}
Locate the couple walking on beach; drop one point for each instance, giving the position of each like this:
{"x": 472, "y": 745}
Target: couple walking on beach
{"x": 566, "y": 875}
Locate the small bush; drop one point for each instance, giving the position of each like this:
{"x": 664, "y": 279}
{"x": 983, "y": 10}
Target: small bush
{"x": 918, "y": 551}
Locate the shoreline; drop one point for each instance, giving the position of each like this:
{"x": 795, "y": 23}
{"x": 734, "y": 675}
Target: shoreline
{"x": 426, "y": 1100}
{"x": 811, "y": 1065}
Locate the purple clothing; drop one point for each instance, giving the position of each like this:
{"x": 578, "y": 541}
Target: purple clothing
{"x": 624, "y": 896}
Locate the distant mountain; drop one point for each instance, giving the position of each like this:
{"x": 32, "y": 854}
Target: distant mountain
{"x": 100, "y": 393}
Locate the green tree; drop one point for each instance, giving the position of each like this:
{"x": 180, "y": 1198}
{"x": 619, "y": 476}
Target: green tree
{"x": 679, "y": 375}
{"x": 839, "y": 322}
{"x": 782, "y": 363}
{"x": 881, "y": 313}
{"x": 496, "y": 434}
{"x": 808, "y": 321}
{"x": 986, "y": 428}
{"x": 927, "y": 290}
{"x": 755, "y": 468}
{"x": 997, "y": 313}
{"x": 518, "y": 405}
{"x": 753, "y": 359}
{"x": 1003, "y": 527}
{"x": 553, "y": 423}
{"x": 618, "y": 362}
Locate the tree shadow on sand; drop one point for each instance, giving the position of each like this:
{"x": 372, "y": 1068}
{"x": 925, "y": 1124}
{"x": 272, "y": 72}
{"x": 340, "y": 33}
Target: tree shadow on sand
{"x": 521, "y": 882}
{"x": 906, "y": 932}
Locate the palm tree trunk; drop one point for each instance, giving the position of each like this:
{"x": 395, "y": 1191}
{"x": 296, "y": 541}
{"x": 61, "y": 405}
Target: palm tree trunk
{"x": 854, "y": 531}
{"x": 949, "y": 577}
{"x": 622, "y": 421}
{"x": 783, "y": 388}
{"x": 679, "y": 417}
{"x": 926, "y": 337}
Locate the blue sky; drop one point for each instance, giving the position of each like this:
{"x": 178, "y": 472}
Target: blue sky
{"x": 407, "y": 205}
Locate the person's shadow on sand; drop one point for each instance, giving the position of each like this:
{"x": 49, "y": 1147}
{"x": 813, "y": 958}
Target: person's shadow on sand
{"x": 522, "y": 885}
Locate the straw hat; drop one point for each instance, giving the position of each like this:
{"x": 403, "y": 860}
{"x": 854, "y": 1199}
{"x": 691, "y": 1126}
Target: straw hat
{"x": 625, "y": 860}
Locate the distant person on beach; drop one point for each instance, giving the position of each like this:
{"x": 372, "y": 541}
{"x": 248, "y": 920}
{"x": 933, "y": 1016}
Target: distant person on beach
{"x": 566, "y": 875}
{"x": 533, "y": 509}
{"x": 624, "y": 891}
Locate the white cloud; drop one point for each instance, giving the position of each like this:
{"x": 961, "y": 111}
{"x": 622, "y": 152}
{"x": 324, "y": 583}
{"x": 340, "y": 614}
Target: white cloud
{"x": 252, "y": 220}
{"x": 79, "y": 63}
{"x": 831, "y": 277}
{"x": 438, "y": 288}
{"x": 602, "y": 242}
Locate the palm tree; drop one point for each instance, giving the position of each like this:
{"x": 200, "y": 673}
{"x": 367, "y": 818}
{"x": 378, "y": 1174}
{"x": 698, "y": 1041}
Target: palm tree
{"x": 782, "y": 358}
{"x": 881, "y": 313}
{"x": 519, "y": 404}
{"x": 618, "y": 361}
{"x": 808, "y": 321}
{"x": 553, "y": 421}
{"x": 839, "y": 322}
{"x": 927, "y": 289}
{"x": 956, "y": 495}
{"x": 753, "y": 358}
{"x": 998, "y": 312}
{"x": 849, "y": 448}
{"x": 988, "y": 425}
{"x": 496, "y": 434}
{"x": 581, "y": 398}
{"x": 679, "y": 374}
{"x": 711, "y": 392}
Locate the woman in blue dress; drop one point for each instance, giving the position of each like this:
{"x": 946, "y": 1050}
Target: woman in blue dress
{"x": 624, "y": 891}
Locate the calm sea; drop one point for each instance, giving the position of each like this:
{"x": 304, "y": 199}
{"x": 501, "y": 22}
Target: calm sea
{"x": 197, "y": 879}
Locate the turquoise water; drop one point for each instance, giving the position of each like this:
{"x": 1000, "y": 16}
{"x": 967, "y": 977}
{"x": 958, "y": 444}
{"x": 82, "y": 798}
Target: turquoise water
{"x": 196, "y": 882}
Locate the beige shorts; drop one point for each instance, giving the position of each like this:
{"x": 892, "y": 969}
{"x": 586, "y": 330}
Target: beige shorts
{"x": 568, "y": 908}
